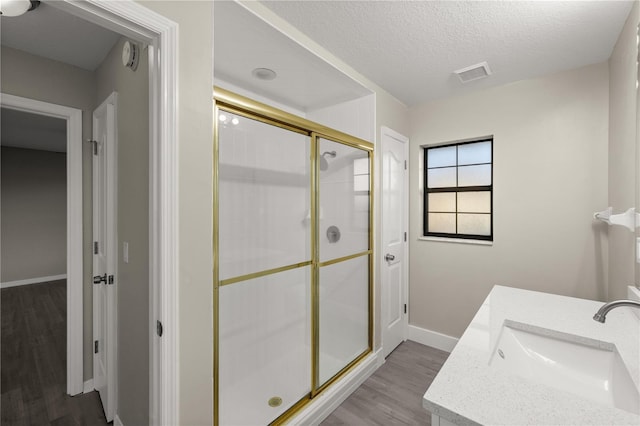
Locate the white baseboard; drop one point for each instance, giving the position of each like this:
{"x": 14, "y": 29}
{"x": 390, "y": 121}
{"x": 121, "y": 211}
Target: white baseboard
{"x": 431, "y": 338}
{"x": 117, "y": 421}
{"x": 325, "y": 403}
{"x": 33, "y": 281}
{"x": 380, "y": 357}
{"x": 88, "y": 386}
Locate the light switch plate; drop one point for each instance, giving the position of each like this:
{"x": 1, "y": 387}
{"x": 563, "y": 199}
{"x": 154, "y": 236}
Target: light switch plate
{"x": 125, "y": 252}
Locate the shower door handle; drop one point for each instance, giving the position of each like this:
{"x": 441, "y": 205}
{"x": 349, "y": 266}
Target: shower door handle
{"x": 389, "y": 257}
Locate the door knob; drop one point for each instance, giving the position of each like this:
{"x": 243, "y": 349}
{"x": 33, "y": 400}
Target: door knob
{"x": 389, "y": 257}
{"x": 100, "y": 279}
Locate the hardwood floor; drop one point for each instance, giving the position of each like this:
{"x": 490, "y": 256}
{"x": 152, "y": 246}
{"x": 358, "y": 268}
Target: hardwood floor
{"x": 393, "y": 394}
{"x": 33, "y": 360}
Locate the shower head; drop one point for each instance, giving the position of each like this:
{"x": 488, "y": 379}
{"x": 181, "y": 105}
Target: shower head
{"x": 324, "y": 164}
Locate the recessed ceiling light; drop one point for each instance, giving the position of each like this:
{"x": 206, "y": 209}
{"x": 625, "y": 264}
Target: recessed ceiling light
{"x": 474, "y": 72}
{"x": 264, "y": 74}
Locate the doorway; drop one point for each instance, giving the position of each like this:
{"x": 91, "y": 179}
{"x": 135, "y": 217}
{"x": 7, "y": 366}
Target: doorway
{"x": 42, "y": 177}
{"x": 158, "y": 35}
{"x": 155, "y": 33}
{"x": 72, "y": 118}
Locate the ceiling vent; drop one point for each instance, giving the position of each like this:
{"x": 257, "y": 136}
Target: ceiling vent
{"x": 474, "y": 72}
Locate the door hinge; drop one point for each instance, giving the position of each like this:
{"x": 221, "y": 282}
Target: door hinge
{"x": 94, "y": 146}
{"x": 405, "y": 308}
{"x": 110, "y": 279}
{"x": 405, "y": 164}
{"x": 405, "y": 237}
{"x": 95, "y": 247}
{"x": 159, "y": 329}
{"x": 95, "y": 347}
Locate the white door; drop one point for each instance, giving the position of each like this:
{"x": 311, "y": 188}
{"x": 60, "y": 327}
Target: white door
{"x": 394, "y": 256}
{"x": 104, "y": 252}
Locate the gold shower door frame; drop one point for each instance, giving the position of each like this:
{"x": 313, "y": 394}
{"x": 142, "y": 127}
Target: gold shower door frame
{"x": 239, "y": 105}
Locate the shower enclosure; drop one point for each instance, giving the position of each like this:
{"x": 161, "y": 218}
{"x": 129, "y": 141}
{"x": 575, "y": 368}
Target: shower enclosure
{"x": 292, "y": 260}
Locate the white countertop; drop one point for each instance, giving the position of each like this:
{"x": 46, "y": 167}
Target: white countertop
{"x": 469, "y": 391}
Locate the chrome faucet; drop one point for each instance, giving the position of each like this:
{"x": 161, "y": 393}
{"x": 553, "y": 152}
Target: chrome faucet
{"x": 601, "y": 315}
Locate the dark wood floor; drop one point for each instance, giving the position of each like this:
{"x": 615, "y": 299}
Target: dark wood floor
{"x": 393, "y": 394}
{"x": 33, "y": 360}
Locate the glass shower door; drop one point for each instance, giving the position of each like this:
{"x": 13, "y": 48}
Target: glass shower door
{"x": 292, "y": 260}
{"x": 264, "y": 290}
{"x": 344, "y": 246}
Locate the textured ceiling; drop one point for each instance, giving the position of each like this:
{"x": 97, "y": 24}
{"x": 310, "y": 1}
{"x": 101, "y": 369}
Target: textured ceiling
{"x": 32, "y": 131}
{"x": 53, "y": 34}
{"x": 411, "y": 48}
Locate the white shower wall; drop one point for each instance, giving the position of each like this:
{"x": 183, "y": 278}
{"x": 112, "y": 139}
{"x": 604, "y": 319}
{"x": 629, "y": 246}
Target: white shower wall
{"x": 264, "y": 195}
{"x": 355, "y": 117}
{"x": 344, "y": 200}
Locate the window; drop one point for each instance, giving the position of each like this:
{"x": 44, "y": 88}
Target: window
{"x": 458, "y": 195}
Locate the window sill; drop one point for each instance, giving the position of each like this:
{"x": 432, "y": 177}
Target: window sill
{"x": 457, "y": 240}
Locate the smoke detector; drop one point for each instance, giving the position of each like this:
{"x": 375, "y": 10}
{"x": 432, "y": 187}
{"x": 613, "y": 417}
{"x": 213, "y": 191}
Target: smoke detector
{"x": 130, "y": 55}
{"x": 474, "y": 72}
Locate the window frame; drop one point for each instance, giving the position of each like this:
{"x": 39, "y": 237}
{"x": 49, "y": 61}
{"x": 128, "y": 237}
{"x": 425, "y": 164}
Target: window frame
{"x": 455, "y": 189}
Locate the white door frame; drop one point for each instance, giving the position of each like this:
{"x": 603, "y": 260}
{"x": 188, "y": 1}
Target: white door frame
{"x": 385, "y": 134}
{"x": 160, "y": 34}
{"x": 73, "y": 117}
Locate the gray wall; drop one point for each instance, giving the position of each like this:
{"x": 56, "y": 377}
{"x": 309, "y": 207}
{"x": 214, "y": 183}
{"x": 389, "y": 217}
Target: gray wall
{"x": 33, "y": 77}
{"x": 550, "y": 175}
{"x": 33, "y": 197}
{"x": 623, "y": 162}
{"x": 133, "y": 227}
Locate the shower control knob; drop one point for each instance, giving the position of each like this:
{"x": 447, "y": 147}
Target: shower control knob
{"x": 333, "y": 234}
{"x": 389, "y": 257}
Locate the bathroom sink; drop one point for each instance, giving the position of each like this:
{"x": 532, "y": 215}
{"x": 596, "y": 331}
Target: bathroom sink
{"x": 584, "y": 367}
